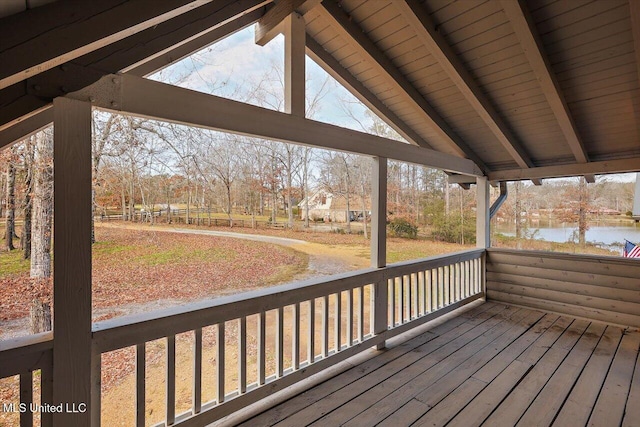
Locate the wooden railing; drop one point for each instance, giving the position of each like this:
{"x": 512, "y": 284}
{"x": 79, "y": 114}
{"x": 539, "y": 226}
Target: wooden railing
{"x": 28, "y": 358}
{"x": 321, "y": 321}
{"x": 604, "y": 288}
{"x": 265, "y": 340}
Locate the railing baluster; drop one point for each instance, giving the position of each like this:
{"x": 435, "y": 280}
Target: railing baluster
{"x": 338, "y": 321}
{"x": 426, "y": 289}
{"x": 349, "y": 295}
{"x": 400, "y": 282}
{"x": 296, "y": 337}
{"x": 171, "y": 380}
{"x": 419, "y": 295}
{"x": 436, "y": 284}
{"x": 416, "y": 294}
{"x": 220, "y": 362}
{"x": 196, "y": 406}
{"x": 242, "y": 355}
{"x": 311, "y": 347}
{"x": 452, "y": 284}
{"x": 261, "y": 347}
{"x": 447, "y": 281}
{"x": 479, "y": 274}
{"x": 406, "y": 282}
{"x": 391, "y": 284}
{"x": 325, "y": 326}
{"x": 26, "y": 398}
{"x": 360, "y": 313}
{"x": 460, "y": 273}
{"x": 467, "y": 276}
{"x": 141, "y": 370}
{"x": 280, "y": 342}
{"x": 46, "y": 390}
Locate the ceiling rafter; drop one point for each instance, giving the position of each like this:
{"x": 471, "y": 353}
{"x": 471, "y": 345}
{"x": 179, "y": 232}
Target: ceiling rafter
{"x": 634, "y": 9}
{"x": 631, "y": 164}
{"x": 332, "y": 12}
{"x": 140, "y": 54}
{"x": 424, "y": 27}
{"x": 27, "y": 127}
{"x": 79, "y": 28}
{"x": 527, "y": 34}
{"x": 271, "y": 24}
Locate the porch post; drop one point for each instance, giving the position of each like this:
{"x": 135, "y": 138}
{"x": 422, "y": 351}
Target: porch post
{"x": 72, "y": 263}
{"x": 483, "y": 231}
{"x": 294, "y": 64}
{"x": 483, "y": 235}
{"x": 379, "y": 242}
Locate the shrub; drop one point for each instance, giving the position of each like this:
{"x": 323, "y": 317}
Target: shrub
{"x": 402, "y": 227}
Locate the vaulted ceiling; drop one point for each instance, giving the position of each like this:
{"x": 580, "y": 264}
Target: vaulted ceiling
{"x": 525, "y": 89}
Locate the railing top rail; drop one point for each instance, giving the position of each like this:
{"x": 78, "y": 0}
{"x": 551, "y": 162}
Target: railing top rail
{"x": 433, "y": 261}
{"x": 130, "y": 330}
{"x": 563, "y": 255}
{"x": 30, "y": 343}
{"x": 25, "y": 353}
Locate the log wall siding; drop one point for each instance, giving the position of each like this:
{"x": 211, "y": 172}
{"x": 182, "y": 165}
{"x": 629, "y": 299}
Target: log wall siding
{"x": 606, "y": 289}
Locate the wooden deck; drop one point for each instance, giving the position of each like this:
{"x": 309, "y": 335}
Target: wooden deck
{"x": 495, "y": 365}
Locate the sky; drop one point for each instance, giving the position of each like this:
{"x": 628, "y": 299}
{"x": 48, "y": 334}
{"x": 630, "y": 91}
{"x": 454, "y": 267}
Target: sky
{"x": 237, "y": 66}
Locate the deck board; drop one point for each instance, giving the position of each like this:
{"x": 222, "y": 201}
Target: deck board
{"x": 494, "y": 365}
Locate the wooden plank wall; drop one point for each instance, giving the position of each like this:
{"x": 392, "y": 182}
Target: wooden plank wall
{"x": 606, "y": 289}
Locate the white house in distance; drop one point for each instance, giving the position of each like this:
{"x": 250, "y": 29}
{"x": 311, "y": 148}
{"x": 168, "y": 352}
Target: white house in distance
{"x": 328, "y": 207}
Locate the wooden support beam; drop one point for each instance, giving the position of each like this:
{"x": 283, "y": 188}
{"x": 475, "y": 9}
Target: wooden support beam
{"x": 483, "y": 219}
{"x": 328, "y": 63}
{"x": 75, "y": 29}
{"x": 527, "y": 34}
{"x": 603, "y": 167}
{"x": 72, "y": 347}
{"x": 380, "y": 295}
{"x": 26, "y": 127}
{"x": 272, "y": 23}
{"x": 180, "y": 33}
{"x": 634, "y": 11}
{"x": 426, "y": 30}
{"x": 379, "y": 213}
{"x": 461, "y": 179}
{"x": 143, "y": 97}
{"x": 294, "y": 65}
{"x": 332, "y": 12}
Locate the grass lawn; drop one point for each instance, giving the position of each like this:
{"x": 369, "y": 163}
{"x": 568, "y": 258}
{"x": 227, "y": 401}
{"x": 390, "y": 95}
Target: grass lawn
{"x": 12, "y": 263}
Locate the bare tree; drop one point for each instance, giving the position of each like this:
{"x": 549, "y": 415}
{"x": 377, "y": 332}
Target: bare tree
{"x": 10, "y": 204}
{"x": 27, "y": 205}
{"x": 42, "y": 206}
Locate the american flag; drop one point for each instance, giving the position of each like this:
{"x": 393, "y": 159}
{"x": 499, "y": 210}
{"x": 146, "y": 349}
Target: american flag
{"x": 631, "y": 250}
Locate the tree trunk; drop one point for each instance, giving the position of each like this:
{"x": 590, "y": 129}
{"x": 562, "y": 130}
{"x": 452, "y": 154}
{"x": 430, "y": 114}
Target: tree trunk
{"x": 132, "y": 206}
{"x": 582, "y": 212}
{"x": 10, "y": 226}
{"x": 364, "y": 212}
{"x": 93, "y": 213}
{"x": 306, "y": 191}
{"x": 40, "y": 316}
{"x": 25, "y": 239}
{"x": 42, "y": 208}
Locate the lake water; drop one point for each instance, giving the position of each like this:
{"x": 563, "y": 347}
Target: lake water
{"x": 610, "y": 236}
